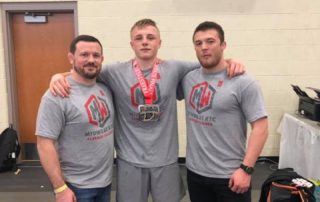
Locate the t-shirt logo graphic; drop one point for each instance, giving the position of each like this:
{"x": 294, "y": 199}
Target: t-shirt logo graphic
{"x": 137, "y": 97}
{"x": 201, "y": 97}
{"x": 97, "y": 110}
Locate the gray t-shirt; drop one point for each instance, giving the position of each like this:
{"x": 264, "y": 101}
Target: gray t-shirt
{"x": 82, "y": 125}
{"x": 146, "y": 144}
{"x": 217, "y": 112}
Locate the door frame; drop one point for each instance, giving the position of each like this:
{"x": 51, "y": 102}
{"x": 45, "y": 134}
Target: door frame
{"x": 7, "y": 10}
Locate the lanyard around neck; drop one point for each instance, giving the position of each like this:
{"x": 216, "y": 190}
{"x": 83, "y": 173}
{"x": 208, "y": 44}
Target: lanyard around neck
{"x": 147, "y": 89}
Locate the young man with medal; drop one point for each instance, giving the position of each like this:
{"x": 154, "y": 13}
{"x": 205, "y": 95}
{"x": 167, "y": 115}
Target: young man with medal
{"x": 144, "y": 92}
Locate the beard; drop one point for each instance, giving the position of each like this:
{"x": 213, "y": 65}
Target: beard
{"x": 210, "y": 63}
{"x": 88, "y": 74}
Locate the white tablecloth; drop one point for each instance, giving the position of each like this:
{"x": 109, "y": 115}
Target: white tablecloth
{"x": 300, "y": 145}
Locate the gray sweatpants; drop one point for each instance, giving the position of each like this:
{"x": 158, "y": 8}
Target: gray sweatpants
{"x": 135, "y": 183}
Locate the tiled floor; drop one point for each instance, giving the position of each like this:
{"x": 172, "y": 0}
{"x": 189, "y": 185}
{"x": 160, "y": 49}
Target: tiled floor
{"x": 32, "y": 185}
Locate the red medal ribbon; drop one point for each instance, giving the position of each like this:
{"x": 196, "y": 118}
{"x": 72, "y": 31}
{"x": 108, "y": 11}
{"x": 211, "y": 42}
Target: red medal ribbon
{"x": 147, "y": 90}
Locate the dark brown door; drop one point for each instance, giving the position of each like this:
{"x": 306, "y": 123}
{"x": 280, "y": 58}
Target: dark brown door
{"x": 40, "y": 50}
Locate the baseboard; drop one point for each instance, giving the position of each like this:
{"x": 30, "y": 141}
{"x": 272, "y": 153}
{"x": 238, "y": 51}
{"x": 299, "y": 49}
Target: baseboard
{"x": 182, "y": 160}
{"x": 271, "y": 159}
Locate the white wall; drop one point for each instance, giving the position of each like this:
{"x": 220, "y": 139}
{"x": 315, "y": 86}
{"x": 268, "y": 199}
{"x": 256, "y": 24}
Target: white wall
{"x": 277, "y": 40}
{"x": 3, "y": 87}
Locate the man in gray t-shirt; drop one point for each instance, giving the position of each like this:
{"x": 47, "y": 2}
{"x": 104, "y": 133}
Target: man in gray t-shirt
{"x": 75, "y": 134}
{"x": 217, "y": 112}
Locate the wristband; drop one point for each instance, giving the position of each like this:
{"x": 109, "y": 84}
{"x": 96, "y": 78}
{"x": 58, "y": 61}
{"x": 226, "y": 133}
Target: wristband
{"x": 60, "y": 189}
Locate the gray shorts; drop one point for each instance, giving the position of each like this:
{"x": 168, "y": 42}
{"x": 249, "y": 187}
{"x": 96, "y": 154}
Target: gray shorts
{"x": 135, "y": 183}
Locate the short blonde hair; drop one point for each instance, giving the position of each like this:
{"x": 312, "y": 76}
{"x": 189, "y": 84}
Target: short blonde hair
{"x": 143, "y": 23}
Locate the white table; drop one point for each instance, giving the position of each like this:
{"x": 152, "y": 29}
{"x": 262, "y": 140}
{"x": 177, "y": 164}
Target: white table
{"x": 300, "y": 145}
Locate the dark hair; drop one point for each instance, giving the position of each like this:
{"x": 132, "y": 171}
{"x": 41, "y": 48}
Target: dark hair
{"x": 86, "y": 38}
{"x": 144, "y": 22}
{"x": 210, "y": 25}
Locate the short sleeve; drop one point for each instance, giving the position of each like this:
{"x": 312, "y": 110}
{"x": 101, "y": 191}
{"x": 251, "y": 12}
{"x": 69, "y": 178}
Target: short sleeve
{"x": 50, "y": 119}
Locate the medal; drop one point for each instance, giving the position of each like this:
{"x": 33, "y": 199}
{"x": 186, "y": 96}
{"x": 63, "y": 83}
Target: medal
{"x": 148, "y": 111}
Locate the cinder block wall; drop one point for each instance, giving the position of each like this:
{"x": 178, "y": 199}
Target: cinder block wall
{"x": 3, "y": 87}
{"x": 278, "y": 41}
